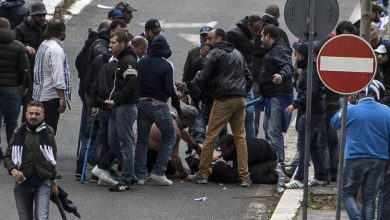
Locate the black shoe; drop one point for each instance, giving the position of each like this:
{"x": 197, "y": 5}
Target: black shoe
{"x": 119, "y": 188}
{"x": 1, "y": 155}
{"x": 77, "y": 175}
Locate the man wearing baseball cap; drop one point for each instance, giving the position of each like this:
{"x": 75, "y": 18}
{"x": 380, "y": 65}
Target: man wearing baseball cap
{"x": 127, "y": 11}
{"x": 152, "y": 30}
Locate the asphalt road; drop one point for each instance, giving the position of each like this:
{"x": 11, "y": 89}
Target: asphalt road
{"x": 155, "y": 202}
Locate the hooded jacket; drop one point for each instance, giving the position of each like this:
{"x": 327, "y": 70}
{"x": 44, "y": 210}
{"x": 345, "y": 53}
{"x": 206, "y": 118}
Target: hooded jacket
{"x": 14, "y": 65}
{"x": 276, "y": 60}
{"x": 156, "y": 74}
{"x": 241, "y": 38}
{"x": 14, "y": 11}
{"x": 117, "y": 80}
{"x": 225, "y": 74}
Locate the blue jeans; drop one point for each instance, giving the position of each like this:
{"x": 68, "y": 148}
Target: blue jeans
{"x": 258, "y": 108}
{"x": 26, "y": 197}
{"x": 198, "y": 129}
{"x": 366, "y": 173}
{"x": 273, "y": 128}
{"x": 384, "y": 198}
{"x": 10, "y": 102}
{"x": 317, "y": 146}
{"x": 120, "y": 128}
{"x": 250, "y": 117}
{"x": 152, "y": 111}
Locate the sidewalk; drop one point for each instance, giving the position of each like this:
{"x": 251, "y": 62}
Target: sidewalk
{"x": 321, "y": 201}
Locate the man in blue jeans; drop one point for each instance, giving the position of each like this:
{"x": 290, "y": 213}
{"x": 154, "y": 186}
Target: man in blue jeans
{"x": 366, "y": 151}
{"x": 156, "y": 86}
{"x": 14, "y": 77}
{"x": 118, "y": 92}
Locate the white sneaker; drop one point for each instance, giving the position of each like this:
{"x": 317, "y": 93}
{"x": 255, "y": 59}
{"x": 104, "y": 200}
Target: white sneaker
{"x": 161, "y": 179}
{"x": 315, "y": 182}
{"x": 141, "y": 182}
{"x": 101, "y": 182}
{"x": 294, "y": 184}
{"x": 104, "y": 176}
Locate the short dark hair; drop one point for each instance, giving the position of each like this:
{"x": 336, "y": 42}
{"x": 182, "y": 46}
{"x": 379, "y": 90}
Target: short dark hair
{"x": 271, "y": 30}
{"x": 55, "y": 28}
{"x": 253, "y": 18}
{"x": 227, "y": 139}
{"x": 4, "y": 23}
{"x": 345, "y": 26}
{"x": 117, "y": 22}
{"x": 36, "y": 104}
{"x": 219, "y": 32}
{"x": 121, "y": 37}
{"x": 138, "y": 41}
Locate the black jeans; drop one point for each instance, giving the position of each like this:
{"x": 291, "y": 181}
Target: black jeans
{"x": 51, "y": 112}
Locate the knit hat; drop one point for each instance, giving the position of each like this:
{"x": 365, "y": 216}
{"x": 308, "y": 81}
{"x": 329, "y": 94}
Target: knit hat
{"x": 38, "y": 8}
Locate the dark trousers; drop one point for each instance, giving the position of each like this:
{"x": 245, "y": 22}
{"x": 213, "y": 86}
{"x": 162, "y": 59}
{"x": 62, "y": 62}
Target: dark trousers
{"x": 107, "y": 155}
{"x": 51, "y": 113}
{"x": 384, "y": 198}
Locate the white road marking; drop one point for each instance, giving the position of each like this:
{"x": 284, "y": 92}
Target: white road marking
{"x": 184, "y": 25}
{"x": 193, "y": 38}
{"x": 347, "y": 64}
{"x": 78, "y": 6}
{"x": 356, "y": 13}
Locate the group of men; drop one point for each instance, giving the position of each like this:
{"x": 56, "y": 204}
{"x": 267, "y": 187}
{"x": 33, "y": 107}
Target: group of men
{"x": 127, "y": 79}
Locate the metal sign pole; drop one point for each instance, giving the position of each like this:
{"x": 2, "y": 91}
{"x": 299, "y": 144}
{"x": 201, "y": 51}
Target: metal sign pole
{"x": 308, "y": 108}
{"x": 341, "y": 156}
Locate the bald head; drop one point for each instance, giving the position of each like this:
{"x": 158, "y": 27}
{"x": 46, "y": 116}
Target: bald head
{"x": 4, "y": 23}
{"x": 105, "y": 25}
{"x": 273, "y": 10}
{"x": 140, "y": 45}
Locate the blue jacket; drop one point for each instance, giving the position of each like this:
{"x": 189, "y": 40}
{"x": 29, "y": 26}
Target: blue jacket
{"x": 156, "y": 74}
{"x": 368, "y": 130}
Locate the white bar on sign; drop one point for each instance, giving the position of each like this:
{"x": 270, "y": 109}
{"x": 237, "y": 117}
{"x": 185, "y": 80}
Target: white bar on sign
{"x": 347, "y": 64}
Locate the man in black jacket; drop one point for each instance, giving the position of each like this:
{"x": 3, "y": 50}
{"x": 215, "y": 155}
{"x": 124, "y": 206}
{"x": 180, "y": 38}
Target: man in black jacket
{"x": 318, "y": 137}
{"x": 242, "y": 37}
{"x": 228, "y": 79}
{"x": 14, "y": 10}
{"x": 275, "y": 83}
{"x": 30, "y": 33}
{"x": 31, "y": 159}
{"x": 14, "y": 76}
{"x": 262, "y": 161}
{"x": 117, "y": 91}
{"x": 156, "y": 86}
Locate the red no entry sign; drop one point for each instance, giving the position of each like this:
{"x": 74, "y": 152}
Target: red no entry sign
{"x": 346, "y": 64}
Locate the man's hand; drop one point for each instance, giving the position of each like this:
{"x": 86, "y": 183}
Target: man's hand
{"x": 109, "y": 103}
{"x": 277, "y": 78}
{"x": 62, "y": 107}
{"x": 19, "y": 177}
{"x": 54, "y": 188}
{"x": 290, "y": 109}
{"x": 95, "y": 111}
{"x": 30, "y": 50}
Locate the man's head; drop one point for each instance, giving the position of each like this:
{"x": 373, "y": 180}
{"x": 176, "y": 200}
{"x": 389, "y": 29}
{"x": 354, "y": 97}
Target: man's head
{"x": 35, "y": 113}
{"x": 118, "y": 25}
{"x": 152, "y": 29}
{"x": 269, "y": 35}
{"x": 190, "y": 113}
{"x": 57, "y": 29}
{"x": 254, "y": 25}
{"x": 203, "y": 34}
{"x": 374, "y": 34}
{"x": 104, "y": 25}
{"x": 345, "y": 27}
{"x": 215, "y": 37}
{"x": 301, "y": 51}
{"x": 381, "y": 54}
{"x": 4, "y": 24}
{"x": 115, "y": 14}
{"x": 140, "y": 46}
{"x": 273, "y": 10}
{"x": 38, "y": 12}
{"x": 118, "y": 42}
{"x": 227, "y": 145}
{"x": 376, "y": 12}
{"x": 127, "y": 11}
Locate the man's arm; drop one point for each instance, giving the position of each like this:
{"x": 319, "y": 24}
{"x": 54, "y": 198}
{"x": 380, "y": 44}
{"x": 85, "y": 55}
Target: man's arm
{"x": 171, "y": 90}
{"x": 336, "y": 120}
{"x": 176, "y": 159}
{"x": 24, "y": 71}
